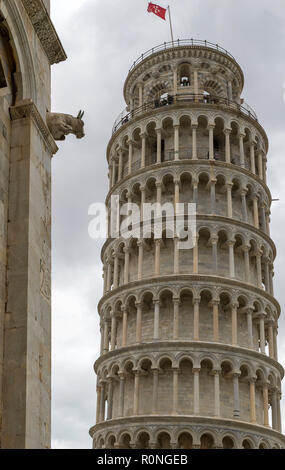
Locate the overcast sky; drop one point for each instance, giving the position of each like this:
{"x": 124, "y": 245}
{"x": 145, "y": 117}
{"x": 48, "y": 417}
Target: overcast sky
{"x": 102, "y": 39}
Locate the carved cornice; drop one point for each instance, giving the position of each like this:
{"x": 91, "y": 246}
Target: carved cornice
{"x": 197, "y": 280}
{"x": 134, "y": 423}
{"x": 45, "y": 30}
{"x": 27, "y": 109}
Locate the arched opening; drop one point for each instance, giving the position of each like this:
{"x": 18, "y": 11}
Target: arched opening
{"x": 163, "y": 441}
{"x": 247, "y": 444}
{"x": 185, "y": 441}
{"x": 143, "y": 440}
{"x": 125, "y": 442}
{"x": 207, "y": 441}
{"x": 228, "y": 443}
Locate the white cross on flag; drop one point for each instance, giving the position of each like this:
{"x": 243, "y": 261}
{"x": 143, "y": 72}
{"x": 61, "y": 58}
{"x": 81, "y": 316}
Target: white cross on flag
{"x": 157, "y": 10}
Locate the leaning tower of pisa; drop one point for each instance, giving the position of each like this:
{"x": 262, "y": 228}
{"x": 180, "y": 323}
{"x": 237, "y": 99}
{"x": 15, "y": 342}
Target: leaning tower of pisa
{"x": 189, "y": 337}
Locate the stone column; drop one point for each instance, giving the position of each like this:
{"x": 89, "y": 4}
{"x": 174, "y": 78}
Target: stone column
{"x": 266, "y": 274}
{"x": 106, "y": 336}
{"x": 217, "y": 392}
{"x": 274, "y": 408}
{"x": 125, "y": 326}
{"x": 176, "y": 255}
{"x": 275, "y": 332}
{"x": 98, "y": 403}
{"x": 231, "y": 244}
{"x": 255, "y": 212}
{"x": 271, "y": 274}
{"x": 194, "y": 141}
{"x": 140, "y": 85}
{"x": 211, "y": 141}
{"x": 252, "y": 158}
{"x": 196, "y": 302}
{"x": 262, "y": 333}
{"x": 110, "y": 399}
{"x": 101, "y": 338}
{"x": 142, "y": 189}
{"x": 246, "y": 249}
{"x": 230, "y": 90}
{"x": 249, "y": 328}
{"x": 234, "y": 324}
{"x": 143, "y": 137}
{"x": 158, "y": 185}
{"x": 140, "y": 260}
{"x": 116, "y": 271}
{"x": 252, "y": 400}
{"x": 157, "y": 257}
{"x": 196, "y": 372}
{"x": 158, "y": 146}
{"x": 102, "y": 402}
{"x": 110, "y": 176}
{"x": 228, "y": 145}
{"x": 196, "y": 84}
{"x": 176, "y": 192}
{"x": 214, "y": 241}
{"x": 195, "y": 192}
{"x": 113, "y": 171}
{"x": 121, "y": 394}
{"x": 263, "y": 218}
{"x": 215, "y": 304}
{"x": 130, "y": 156}
{"x": 258, "y": 255}
{"x": 126, "y": 266}
{"x": 175, "y": 81}
{"x": 109, "y": 275}
{"x": 264, "y": 168}
{"x": 241, "y": 149}
{"x": 270, "y": 339}
{"x": 155, "y": 391}
{"x": 236, "y": 413}
{"x": 156, "y": 319}
{"x": 213, "y": 196}
{"x": 105, "y": 278}
{"x": 265, "y": 404}
{"x": 244, "y": 205}
{"x": 196, "y": 255}
{"x": 229, "y": 200}
{"x": 260, "y": 164}
{"x": 175, "y": 391}
{"x": 136, "y": 392}
{"x": 279, "y": 422}
{"x": 139, "y": 323}
{"x": 176, "y": 142}
{"x": 120, "y": 170}
{"x": 113, "y": 331}
{"x": 176, "y": 303}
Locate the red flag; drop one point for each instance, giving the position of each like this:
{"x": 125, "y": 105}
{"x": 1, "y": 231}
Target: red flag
{"x": 157, "y": 10}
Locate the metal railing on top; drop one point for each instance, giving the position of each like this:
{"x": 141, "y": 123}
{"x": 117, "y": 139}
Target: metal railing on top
{"x": 178, "y": 43}
{"x": 125, "y": 116}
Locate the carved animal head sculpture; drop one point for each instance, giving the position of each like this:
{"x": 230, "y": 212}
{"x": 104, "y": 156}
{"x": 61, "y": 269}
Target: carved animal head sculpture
{"x": 61, "y": 125}
{"x": 80, "y": 127}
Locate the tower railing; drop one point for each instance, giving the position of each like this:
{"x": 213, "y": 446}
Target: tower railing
{"x": 179, "y": 43}
{"x": 125, "y": 117}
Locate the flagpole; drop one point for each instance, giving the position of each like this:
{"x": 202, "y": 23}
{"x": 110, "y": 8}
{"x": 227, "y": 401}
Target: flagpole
{"x": 170, "y": 22}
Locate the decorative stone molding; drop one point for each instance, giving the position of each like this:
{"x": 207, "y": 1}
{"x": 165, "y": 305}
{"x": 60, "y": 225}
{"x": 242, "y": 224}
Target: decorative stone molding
{"x": 195, "y": 425}
{"x": 45, "y": 30}
{"x": 186, "y": 52}
{"x": 27, "y": 109}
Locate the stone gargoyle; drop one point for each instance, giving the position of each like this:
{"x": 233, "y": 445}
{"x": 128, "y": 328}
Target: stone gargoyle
{"x": 60, "y": 125}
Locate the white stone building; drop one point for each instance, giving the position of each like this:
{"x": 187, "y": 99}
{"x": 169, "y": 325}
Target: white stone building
{"x": 189, "y": 350}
